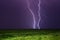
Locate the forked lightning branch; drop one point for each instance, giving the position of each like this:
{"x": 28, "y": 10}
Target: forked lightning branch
{"x": 35, "y": 23}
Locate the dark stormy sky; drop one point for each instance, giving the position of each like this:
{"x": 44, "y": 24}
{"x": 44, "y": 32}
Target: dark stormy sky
{"x": 50, "y": 14}
{"x": 14, "y": 14}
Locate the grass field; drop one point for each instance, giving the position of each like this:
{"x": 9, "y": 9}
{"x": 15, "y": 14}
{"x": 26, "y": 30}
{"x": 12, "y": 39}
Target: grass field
{"x": 30, "y": 35}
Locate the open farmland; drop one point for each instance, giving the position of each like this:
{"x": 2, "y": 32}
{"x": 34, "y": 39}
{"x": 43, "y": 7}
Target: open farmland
{"x": 29, "y": 35}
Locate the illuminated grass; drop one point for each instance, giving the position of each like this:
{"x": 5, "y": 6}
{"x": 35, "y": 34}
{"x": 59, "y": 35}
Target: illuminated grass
{"x": 35, "y": 37}
{"x": 23, "y": 38}
{"x": 32, "y": 35}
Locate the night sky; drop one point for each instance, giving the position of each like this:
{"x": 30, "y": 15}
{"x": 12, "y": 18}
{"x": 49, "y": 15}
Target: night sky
{"x": 14, "y": 14}
{"x": 50, "y": 14}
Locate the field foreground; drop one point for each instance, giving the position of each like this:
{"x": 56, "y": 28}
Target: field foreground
{"x": 30, "y": 35}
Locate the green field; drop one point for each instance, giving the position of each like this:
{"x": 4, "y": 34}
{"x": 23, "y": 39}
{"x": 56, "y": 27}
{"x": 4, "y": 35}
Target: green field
{"x": 29, "y": 35}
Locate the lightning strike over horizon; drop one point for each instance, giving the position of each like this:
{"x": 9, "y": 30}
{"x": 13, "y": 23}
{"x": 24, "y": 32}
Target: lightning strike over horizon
{"x": 34, "y": 20}
{"x": 39, "y": 14}
{"x": 35, "y": 23}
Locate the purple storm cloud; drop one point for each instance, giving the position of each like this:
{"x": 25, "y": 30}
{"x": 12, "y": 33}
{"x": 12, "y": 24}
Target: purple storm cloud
{"x": 29, "y": 14}
{"x": 50, "y": 14}
{"x": 22, "y": 14}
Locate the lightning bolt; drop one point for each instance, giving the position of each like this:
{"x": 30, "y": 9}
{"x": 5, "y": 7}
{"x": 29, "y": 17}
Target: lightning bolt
{"x": 34, "y": 21}
{"x": 35, "y": 25}
{"x": 39, "y": 14}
